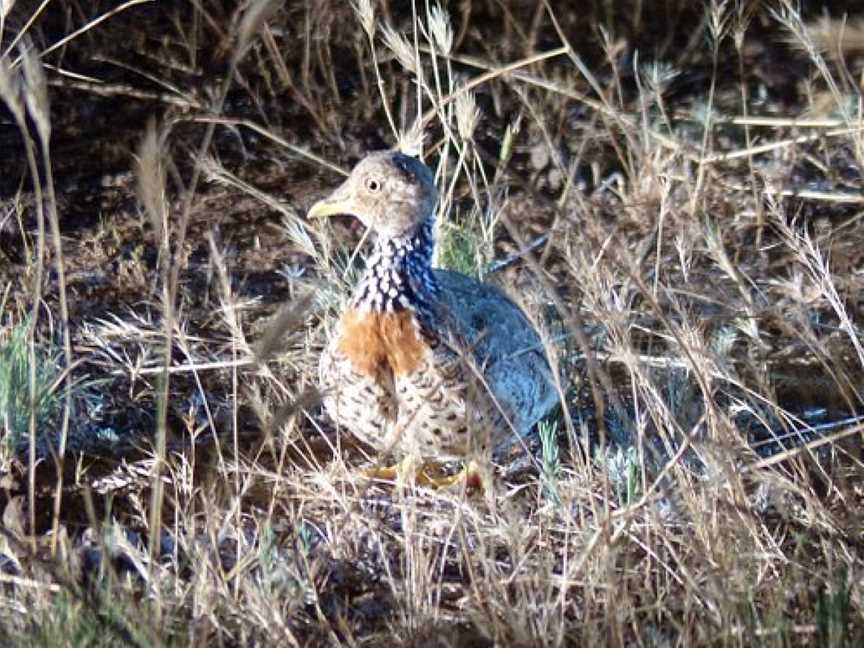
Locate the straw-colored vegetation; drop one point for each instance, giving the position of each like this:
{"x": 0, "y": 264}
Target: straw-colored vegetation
{"x": 672, "y": 190}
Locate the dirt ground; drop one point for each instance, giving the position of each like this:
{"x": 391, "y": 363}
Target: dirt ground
{"x": 572, "y": 174}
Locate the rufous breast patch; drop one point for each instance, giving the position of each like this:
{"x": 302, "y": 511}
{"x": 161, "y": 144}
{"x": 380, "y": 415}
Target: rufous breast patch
{"x": 375, "y": 342}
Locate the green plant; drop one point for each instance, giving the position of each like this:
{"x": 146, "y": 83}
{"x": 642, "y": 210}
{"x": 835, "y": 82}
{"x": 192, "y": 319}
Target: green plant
{"x": 622, "y": 465}
{"x": 66, "y": 622}
{"x": 460, "y": 250}
{"x": 15, "y": 400}
{"x": 551, "y": 459}
{"x": 833, "y": 611}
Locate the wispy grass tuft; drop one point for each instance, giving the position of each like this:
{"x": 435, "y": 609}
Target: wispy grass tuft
{"x": 67, "y": 621}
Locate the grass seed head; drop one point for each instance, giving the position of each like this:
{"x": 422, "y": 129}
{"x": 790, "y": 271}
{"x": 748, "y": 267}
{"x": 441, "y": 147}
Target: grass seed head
{"x": 467, "y": 115}
{"x": 400, "y": 47}
{"x": 442, "y": 32}
{"x": 366, "y": 14}
{"x": 36, "y": 92}
{"x": 411, "y": 141}
{"x": 10, "y": 89}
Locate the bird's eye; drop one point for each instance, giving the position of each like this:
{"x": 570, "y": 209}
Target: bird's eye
{"x": 373, "y": 185}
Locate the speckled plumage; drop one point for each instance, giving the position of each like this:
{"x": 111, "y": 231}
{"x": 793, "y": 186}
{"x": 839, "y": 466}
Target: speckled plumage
{"x": 423, "y": 362}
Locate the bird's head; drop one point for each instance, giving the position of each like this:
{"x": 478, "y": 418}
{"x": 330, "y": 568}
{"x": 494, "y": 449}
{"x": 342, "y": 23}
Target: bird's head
{"x": 391, "y": 193}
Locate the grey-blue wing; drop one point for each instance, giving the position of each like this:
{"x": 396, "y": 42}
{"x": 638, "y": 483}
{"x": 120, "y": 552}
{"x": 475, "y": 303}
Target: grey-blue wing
{"x": 505, "y": 346}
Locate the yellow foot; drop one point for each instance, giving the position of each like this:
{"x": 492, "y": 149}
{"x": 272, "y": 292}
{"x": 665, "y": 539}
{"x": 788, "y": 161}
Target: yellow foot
{"x": 385, "y": 473}
{"x": 402, "y": 472}
{"x": 410, "y": 470}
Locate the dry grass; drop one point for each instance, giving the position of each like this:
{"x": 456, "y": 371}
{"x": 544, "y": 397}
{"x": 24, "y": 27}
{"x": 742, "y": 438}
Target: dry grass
{"x": 682, "y": 213}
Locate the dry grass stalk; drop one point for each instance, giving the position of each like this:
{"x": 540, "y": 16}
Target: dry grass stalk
{"x": 835, "y": 38}
{"x": 151, "y": 180}
{"x": 254, "y": 18}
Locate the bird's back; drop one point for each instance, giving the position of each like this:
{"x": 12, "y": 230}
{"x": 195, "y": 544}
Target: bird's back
{"x": 505, "y": 345}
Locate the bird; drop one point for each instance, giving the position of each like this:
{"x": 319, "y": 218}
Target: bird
{"x": 426, "y": 364}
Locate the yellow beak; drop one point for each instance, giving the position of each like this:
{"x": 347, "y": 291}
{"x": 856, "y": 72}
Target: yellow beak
{"x": 339, "y": 202}
{"x": 327, "y": 207}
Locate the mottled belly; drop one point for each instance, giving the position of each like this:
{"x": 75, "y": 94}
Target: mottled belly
{"x": 358, "y": 372}
{"x": 397, "y": 391}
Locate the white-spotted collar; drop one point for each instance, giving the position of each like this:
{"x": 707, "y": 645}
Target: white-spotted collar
{"x": 399, "y": 275}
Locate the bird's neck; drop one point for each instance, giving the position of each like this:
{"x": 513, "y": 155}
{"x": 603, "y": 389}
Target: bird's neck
{"x": 399, "y": 274}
